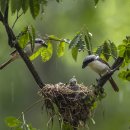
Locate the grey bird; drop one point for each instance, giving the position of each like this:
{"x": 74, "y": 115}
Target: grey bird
{"x": 28, "y": 50}
{"x": 99, "y": 66}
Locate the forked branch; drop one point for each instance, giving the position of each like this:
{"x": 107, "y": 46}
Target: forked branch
{"x": 14, "y": 43}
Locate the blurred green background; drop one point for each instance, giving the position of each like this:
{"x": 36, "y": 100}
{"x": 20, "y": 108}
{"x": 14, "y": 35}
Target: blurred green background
{"x": 18, "y": 90}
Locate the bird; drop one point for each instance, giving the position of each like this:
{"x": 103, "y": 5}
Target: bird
{"x": 38, "y": 43}
{"x": 73, "y": 85}
{"x": 99, "y": 66}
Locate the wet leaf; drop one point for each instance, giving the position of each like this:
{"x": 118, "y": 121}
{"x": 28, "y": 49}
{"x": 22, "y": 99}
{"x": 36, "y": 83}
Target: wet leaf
{"x": 74, "y": 52}
{"x": 106, "y": 50}
{"x": 34, "y": 8}
{"x": 75, "y": 41}
{"x": 61, "y": 49}
{"x": 87, "y": 38}
{"x": 25, "y": 5}
{"x": 113, "y": 49}
{"x": 52, "y": 37}
{"x": 12, "y": 122}
{"x": 46, "y": 53}
{"x": 99, "y": 50}
{"x": 36, "y": 54}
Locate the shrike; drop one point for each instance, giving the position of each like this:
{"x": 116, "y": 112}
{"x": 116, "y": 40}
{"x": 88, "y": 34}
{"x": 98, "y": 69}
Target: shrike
{"x": 28, "y": 50}
{"x": 99, "y": 66}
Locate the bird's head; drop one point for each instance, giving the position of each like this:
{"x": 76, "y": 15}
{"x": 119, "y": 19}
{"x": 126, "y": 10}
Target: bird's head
{"x": 39, "y": 41}
{"x": 88, "y": 59}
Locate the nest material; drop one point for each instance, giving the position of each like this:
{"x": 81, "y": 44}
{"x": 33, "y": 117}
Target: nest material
{"x": 74, "y": 102}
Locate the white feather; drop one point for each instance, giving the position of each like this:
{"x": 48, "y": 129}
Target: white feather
{"x": 99, "y": 67}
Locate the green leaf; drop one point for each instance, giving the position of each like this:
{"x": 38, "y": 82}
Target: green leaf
{"x": 46, "y": 53}
{"x": 23, "y": 40}
{"x": 12, "y": 122}
{"x": 61, "y": 49}
{"x": 74, "y": 52}
{"x": 75, "y": 41}
{"x": 113, "y": 49}
{"x": 87, "y": 38}
{"x": 16, "y": 5}
{"x": 52, "y": 37}
{"x": 3, "y": 5}
{"x": 96, "y": 1}
{"x": 25, "y": 5}
{"x": 99, "y": 50}
{"x": 81, "y": 45}
{"x": 34, "y": 8}
{"x": 106, "y": 50}
{"x": 125, "y": 74}
{"x": 36, "y": 54}
{"x": 122, "y": 75}
{"x": 122, "y": 49}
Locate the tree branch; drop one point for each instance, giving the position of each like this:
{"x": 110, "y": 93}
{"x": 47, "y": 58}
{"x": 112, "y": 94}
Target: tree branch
{"x": 114, "y": 67}
{"x": 14, "y": 43}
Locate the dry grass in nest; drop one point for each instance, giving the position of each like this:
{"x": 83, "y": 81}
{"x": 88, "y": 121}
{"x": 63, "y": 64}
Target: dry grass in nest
{"x": 75, "y": 102}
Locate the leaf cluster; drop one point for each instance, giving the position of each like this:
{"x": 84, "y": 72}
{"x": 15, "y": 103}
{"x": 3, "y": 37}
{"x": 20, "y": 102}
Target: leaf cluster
{"x": 16, "y": 124}
{"x": 106, "y": 50}
{"x": 35, "y": 6}
{"x": 81, "y": 42}
{"x": 124, "y": 51}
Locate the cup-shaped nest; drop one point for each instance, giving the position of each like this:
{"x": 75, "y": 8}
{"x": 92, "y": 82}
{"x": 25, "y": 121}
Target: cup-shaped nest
{"x": 75, "y": 102}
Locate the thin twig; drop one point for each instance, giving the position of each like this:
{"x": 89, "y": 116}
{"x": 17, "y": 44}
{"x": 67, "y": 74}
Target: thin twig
{"x": 28, "y": 108}
{"x": 17, "y": 17}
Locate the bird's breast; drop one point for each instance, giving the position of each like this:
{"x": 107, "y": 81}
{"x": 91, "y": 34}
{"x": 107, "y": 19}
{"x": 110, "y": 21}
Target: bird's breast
{"x": 99, "y": 67}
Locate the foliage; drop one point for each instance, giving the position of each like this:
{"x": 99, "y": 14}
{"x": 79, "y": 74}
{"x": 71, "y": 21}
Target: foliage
{"x": 27, "y": 34}
{"x": 16, "y": 124}
{"x": 124, "y": 51}
{"x": 80, "y": 42}
{"x": 35, "y": 6}
{"x": 106, "y": 50}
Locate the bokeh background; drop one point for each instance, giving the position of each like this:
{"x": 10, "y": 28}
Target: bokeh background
{"x": 18, "y": 90}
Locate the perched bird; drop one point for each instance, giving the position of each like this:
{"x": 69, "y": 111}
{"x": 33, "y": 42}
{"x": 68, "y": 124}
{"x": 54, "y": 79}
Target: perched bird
{"x": 28, "y": 50}
{"x": 99, "y": 66}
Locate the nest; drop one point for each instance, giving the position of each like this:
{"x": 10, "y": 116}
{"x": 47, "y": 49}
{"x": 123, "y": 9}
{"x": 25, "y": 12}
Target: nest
{"x": 75, "y": 102}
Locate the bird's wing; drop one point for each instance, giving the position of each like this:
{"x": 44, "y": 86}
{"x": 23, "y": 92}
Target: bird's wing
{"x": 103, "y": 61}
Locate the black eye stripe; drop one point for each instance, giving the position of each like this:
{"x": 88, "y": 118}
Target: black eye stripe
{"x": 88, "y": 61}
{"x": 39, "y": 41}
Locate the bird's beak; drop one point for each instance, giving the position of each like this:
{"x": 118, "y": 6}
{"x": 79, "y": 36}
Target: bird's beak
{"x": 83, "y": 65}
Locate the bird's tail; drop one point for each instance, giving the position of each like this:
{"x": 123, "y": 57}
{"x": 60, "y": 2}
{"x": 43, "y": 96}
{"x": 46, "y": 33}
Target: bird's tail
{"x": 6, "y": 63}
{"x": 113, "y": 84}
